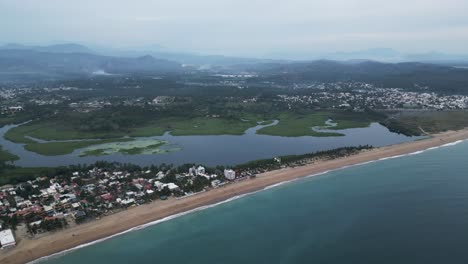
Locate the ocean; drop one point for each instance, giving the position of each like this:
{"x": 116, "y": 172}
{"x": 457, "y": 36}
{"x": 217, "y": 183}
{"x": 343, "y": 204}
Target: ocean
{"x": 411, "y": 209}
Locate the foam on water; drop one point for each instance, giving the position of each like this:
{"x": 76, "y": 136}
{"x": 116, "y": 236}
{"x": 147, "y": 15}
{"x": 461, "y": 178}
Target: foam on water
{"x": 55, "y": 255}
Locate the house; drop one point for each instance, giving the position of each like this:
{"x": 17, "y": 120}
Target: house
{"x": 7, "y": 240}
{"x": 215, "y": 183}
{"x": 36, "y": 223}
{"x": 79, "y": 214}
{"x": 160, "y": 175}
{"x": 230, "y": 174}
{"x": 171, "y": 186}
{"x": 200, "y": 170}
{"x": 107, "y": 197}
{"x": 208, "y": 177}
{"x": 158, "y": 185}
{"x": 127, "y": 201}
{"x": 48, "y": 209}
{"x": 193, "y": 171}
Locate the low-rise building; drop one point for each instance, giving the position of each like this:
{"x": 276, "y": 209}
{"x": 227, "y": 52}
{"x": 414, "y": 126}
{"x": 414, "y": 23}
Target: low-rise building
{"x": 7, "y": 240}
{"x": 230, "y": 174}
{"x": 171, "y": 186}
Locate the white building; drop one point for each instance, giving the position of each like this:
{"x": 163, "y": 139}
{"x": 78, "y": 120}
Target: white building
{"x": 215, "y": 183}
{"x": 158, "y": 185}
{"x": 230, "y": 174}
{"x": 7, "y": 239}
{"x": 160, "y": 175}
{"x": 171, "y": 186}
{"x": 127, "y": 201}
{"x": 200, "y": 170}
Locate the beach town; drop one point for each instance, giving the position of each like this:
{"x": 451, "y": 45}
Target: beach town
{"x": 96, "y": 203}
{"x": 47, "y": 204}
{"x": 77, "y": 195}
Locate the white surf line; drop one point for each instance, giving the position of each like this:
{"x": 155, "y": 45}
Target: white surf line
{"x": 167, "y": 218}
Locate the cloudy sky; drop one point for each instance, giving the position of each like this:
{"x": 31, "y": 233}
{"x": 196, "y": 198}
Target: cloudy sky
{"x": 242, "y": 27}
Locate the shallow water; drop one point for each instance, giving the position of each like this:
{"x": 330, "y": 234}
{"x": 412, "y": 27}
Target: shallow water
{"x": 412, "y": 209}
{"x": 219, "y": 150}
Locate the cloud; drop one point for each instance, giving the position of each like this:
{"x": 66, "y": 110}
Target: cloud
{"x": 241, "y": 26}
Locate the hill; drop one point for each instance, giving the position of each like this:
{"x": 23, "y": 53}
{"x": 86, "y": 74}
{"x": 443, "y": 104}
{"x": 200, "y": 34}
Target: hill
{"x": 439, "y": 78}
{"x": 21, "y": 64}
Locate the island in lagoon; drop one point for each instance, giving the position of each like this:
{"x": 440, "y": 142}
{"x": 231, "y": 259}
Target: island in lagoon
{"x": 226, "y": 184}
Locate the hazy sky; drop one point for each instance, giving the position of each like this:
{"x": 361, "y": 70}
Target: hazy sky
{"x": 242, "y": 27}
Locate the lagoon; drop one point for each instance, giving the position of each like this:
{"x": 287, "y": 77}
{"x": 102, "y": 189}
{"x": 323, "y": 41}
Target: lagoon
{"x": 216, "y": 149}
{"x": 411, "y": 209}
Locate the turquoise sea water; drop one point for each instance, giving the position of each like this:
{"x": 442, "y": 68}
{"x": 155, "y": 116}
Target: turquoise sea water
{"x": 412, "y": 209}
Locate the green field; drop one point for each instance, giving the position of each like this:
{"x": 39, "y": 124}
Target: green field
{"x": 7, "y": 156}
{"x": 52, "y": 130}
{"x": 296, "y": 125}
{"x": 417, "y": 122}
{"x": 62, "y": 148}
{"x": 290, "y": 124}
{"x": 194, "y": 126}
{"x": 49, "y": 130}
{"x": 20, "y": 174}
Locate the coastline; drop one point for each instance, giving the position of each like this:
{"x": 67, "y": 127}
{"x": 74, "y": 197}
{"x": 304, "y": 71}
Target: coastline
{"x": 32, "y": 249}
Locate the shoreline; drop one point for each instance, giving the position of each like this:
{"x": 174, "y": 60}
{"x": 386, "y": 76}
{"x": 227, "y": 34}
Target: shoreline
{"x": 153, "y": 213}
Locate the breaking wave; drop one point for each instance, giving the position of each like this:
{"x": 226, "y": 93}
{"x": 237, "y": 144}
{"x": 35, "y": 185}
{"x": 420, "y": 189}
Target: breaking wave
{"x": 167, "y": 218}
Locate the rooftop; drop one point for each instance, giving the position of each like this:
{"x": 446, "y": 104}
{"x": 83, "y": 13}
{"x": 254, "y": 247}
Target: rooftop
{"x": 7, "y": 238}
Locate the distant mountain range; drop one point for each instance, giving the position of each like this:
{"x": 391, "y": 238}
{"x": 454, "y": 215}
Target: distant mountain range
{"x": 408, "y": 75}
{"x": 22, "y": 63}
{"x": 382, "y": 55}
{"x": 73, "y": 61}
{"x": 58, "y": 48}
{"x": 205, "y": 61}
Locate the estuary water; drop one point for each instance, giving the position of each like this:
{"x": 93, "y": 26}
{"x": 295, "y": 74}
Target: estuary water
{"x": 411, "y": 209}
{"x": 219, "y": 150}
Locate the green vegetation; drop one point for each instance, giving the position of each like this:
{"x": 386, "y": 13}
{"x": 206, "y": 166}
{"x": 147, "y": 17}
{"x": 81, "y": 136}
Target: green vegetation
{"x": 209, "y": 126}
{"x": 105, "y": 126}
{"x": 290, "y": 124}
{"x": 94, "y": 152}
{"x": 62, "y": 130}
{"x": 179, "y": 126}
{"x": 418, "y": 123}
{"x": 295, "y": 125}
{"x": 48, "y": 225}
{"x": 62, "y": 148}
{"x": 142, "y": 150}
{"x": 48, "y": 130}
{"x": 13, "y": 175}
{"x": 7, "y": 156}
{"x": 297, "y": 160}
{"x": 129, "y": 148}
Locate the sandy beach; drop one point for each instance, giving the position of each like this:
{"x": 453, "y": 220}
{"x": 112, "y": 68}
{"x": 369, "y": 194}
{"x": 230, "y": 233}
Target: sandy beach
{"x": 30, "y": 249}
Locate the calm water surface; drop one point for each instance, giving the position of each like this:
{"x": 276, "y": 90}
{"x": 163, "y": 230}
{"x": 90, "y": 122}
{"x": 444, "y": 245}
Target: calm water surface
{"x": 411, "y": 210}
{"x": 220, "y": 150}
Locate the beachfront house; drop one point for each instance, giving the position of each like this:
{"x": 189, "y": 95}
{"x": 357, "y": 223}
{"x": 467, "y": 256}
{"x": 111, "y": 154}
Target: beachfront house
{"x": 171, "y": 186}
{"x": 230, "y": 174}
{"x": 215, "y": 183}
{"x": 7, "y": 240}
{"x": 200, "y": 170}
